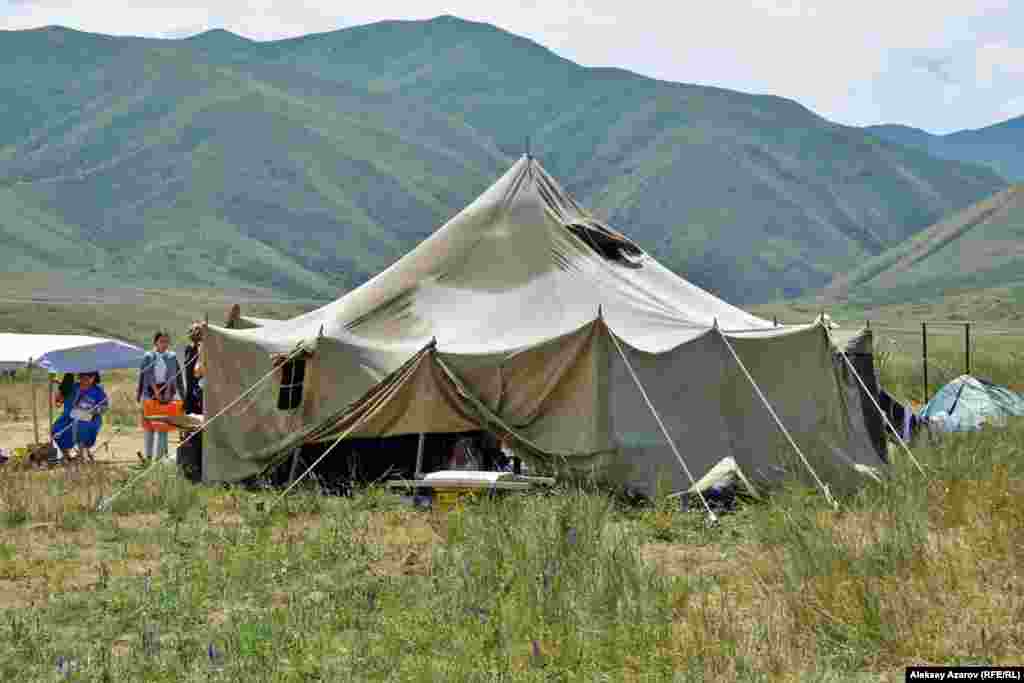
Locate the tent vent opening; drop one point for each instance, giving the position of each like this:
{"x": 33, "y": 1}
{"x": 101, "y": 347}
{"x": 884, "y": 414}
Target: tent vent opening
{"x": 293, "y": 372}
{"x": 609, "y": 245}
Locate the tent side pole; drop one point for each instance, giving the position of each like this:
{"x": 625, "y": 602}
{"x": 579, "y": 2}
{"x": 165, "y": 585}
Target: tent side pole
{"x": 295, "y": 464}
{"x": 881, "y": 412}
{"x": 778, "y": 422}
{"x": 419, "y": 456}
{"x": 35, "y": 408}
{"x": 661, "y": 424}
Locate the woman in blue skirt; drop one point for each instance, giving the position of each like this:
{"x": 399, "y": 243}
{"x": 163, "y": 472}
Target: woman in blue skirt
{"x": 80, "y": 423}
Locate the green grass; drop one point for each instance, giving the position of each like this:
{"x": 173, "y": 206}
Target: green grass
{"x": 572, "y": 585}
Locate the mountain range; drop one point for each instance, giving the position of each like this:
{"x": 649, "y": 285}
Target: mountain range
{"x": 304, "y": 166}
{"x": 980, "y": 247}
{"x": 1000, "y": 146}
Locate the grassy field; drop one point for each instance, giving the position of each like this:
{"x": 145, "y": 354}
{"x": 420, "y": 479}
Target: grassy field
{"x": 47, "y": 304}
{"x": 184, "y": 583}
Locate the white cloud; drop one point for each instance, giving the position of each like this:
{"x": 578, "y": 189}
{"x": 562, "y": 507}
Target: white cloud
{"x": 994, "y": 60}
{"x": 834, "y": 56}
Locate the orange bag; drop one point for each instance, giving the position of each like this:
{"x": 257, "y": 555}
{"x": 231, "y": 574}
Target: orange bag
{"x": 153, "y": 407}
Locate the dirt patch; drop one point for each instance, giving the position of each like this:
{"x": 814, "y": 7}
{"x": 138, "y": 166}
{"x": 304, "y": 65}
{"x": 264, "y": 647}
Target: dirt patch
{"x": 116, "y": 444}
{"x": 13, "y": 595}
{"x": 684, "y": 560}
{"x": 139, "y": 521}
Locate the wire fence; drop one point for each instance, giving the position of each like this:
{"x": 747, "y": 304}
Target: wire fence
{"x": 919, "y": 358}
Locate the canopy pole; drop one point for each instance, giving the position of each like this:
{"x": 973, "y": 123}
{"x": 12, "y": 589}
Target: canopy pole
{"x": 107, "y": 502}
{"x": 49, "y": 396}
{"x": 778, "y": 422}
{"x": 881, "y": 412}
{"x": 35, "y": 408}
{"x": 664, "y": 431}
{"x": 419, "y": 456}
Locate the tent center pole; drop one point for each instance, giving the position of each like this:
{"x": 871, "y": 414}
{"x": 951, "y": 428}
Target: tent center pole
{"x": 419, "y": 456}
{"x": 35, "y": 408}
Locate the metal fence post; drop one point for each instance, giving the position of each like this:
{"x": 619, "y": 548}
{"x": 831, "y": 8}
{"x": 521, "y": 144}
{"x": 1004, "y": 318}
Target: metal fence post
{"x": 967, "y": 346}
{"x": 924, "y": 357}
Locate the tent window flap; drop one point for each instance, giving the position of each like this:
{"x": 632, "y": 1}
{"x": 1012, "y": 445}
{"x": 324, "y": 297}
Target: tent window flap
{"x": 293, "y": 372}
{"x": 608, "y": 244}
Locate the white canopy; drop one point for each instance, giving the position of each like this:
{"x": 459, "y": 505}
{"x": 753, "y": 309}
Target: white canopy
{"x": 66, "y": 352}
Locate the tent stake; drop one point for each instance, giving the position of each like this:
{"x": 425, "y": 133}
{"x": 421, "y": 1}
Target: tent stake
{"x": 35, "y": 413}
{"x": 881, "y": 412}
{"x": 711, "y": 515}
{"x": 778, "y": 422}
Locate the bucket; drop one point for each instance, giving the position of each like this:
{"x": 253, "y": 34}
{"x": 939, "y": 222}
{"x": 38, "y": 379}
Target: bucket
{"x": 447, "y": 500}
{"x": 152, "y": 408}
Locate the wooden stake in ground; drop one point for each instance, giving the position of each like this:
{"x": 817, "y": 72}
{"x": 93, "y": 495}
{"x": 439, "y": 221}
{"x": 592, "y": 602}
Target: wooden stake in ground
{"x": 35, "y": 409}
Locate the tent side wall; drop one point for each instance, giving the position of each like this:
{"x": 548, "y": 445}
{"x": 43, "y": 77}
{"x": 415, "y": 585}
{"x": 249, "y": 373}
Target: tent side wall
{"x": 711, "y": 411}
{"x": 247, "y": 438}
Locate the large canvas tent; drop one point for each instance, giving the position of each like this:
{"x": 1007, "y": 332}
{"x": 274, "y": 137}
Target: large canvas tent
{"x": 526, "y": 316}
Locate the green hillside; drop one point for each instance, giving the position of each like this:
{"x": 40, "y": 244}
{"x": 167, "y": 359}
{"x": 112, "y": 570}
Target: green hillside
{"x": 1000, "y": 146}
{"x": 307, "y": 165}
{"x": 977, "y": 248}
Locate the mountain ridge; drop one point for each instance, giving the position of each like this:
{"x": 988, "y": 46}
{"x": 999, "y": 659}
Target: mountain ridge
{"x": 311, "y": 163}
{"x": 980, "y": 247}
{"x": 1000, "y": 145}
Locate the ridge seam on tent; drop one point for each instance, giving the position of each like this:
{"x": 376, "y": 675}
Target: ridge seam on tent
{"x": 885, "y": 417}
{"x": 778, "y": 421}
{"x": 657, "y": 417}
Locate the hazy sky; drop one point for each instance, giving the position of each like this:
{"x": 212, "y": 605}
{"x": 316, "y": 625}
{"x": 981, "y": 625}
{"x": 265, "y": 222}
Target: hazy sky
{"x": 941, "y": 65}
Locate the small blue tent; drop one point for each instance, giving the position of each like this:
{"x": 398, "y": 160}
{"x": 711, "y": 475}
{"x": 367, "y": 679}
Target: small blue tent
{"x": 966, "y": 403}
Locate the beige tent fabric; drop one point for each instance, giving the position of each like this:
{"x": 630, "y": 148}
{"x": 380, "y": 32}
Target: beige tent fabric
{"x": 247, "y": 438}
{"x": 502, "y": 318}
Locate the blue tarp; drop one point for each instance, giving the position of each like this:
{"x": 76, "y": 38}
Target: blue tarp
{"x": 966, "y": 403}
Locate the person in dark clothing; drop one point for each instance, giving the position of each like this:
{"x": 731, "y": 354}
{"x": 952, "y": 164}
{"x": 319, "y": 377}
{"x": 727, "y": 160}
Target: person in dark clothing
{"x": 65, "y": 387}
{"x": 193, "y": 388}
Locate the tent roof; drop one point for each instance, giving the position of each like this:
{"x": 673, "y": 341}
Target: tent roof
{"x": 522, "y": 264}
{"x": 66, "y": 352}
